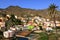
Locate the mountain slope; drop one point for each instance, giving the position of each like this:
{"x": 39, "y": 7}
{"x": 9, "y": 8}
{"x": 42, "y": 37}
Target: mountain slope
{"x": 16, "y": 10}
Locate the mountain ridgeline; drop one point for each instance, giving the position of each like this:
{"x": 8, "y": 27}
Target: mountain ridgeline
{"x": 16, "y": 10}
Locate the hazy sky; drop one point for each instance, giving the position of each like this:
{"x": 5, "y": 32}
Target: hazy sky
{"x": 33, "y": 4}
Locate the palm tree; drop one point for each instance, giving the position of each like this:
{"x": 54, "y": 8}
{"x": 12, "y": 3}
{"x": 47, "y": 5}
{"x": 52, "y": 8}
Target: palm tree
{"x": 52, "y": 10}
{"x": 52, "y": 13}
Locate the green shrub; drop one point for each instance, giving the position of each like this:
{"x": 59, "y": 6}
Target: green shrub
{"x": 43, "y": 36}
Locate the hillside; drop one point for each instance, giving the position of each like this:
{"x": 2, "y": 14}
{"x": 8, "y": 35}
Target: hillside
{"x": 16, "y": 10}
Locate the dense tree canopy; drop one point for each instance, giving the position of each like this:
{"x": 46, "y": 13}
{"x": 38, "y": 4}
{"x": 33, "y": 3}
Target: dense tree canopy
{"x": 12, "y": 21}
